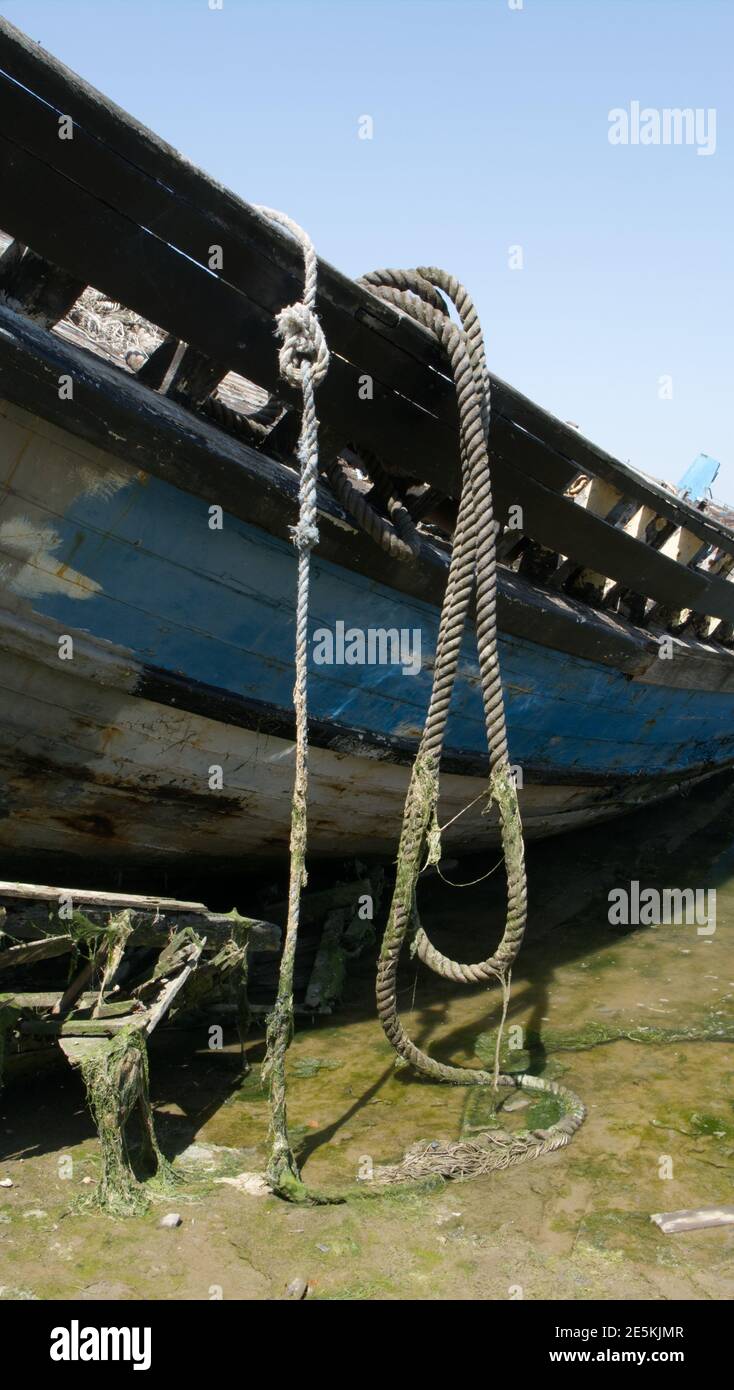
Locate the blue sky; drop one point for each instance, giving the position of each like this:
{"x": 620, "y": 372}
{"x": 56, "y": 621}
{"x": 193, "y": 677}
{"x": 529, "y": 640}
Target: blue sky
{"x": 490, "y": 131}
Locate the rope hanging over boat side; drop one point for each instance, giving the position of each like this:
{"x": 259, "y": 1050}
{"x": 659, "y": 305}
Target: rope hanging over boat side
{"x": 303, "y": 360}
{"x": 303, "y": 363}
{"x": 473, "y": 561}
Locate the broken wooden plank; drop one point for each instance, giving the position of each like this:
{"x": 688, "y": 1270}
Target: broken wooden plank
{"x": 151, "y": 930}
{"x": 261, "y": 935}
{"x": 89, "y": 898}
{"x": 81, "y": 1027}
{"x": 693, "y": 1219}
{"x": 79, "y": 983}
{"x": 43, "y": 1001}
{"x": 32, "y": 1000}
{"x": 35, "y": 950}
{"x": 195, "y": 377}
{"x": 172, "y": 988}
{"x": 154, "y": 370}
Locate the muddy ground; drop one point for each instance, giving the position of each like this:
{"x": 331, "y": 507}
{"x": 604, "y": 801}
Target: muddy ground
{"x": 659, "y": 1134}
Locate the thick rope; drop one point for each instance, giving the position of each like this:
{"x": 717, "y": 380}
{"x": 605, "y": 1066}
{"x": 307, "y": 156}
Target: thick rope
{"x": 473, "y": 561}
{"x": 303, "y": 360}
{"x": 385, "y": 489}
{"x": 360, "y": 508}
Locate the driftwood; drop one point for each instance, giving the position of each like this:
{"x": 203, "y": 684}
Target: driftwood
{"x": 696, "y": 1219}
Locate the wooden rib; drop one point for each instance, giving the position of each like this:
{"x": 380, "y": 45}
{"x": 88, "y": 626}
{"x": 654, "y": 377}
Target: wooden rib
{"x": 41, "y": 289}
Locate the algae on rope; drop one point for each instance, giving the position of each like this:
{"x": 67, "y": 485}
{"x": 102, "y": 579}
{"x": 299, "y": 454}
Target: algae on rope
{"x": 115, "y": 1074}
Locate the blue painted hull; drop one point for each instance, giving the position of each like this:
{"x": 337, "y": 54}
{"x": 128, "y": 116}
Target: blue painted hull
{"x": 131, "y": 567}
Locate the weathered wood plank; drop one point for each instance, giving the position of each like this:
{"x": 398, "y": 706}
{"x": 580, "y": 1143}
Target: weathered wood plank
{"x": 195, "y": 377}
{"x": 172, "y": 988}
{"x": 35, "y": 950}
{"x": 80, "y": 1027}
{"x": 85, "y": 897}
{"x": 43, "y": 1001}
{"x": 44, "y": 291}
{"x": 77, "y": 986}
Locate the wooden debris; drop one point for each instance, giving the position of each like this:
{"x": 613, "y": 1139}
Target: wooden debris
{"x": 34, "y": 951}
{"x": 172, "y": 987}
{"x": 79, "y": 983}
{"x": 148, "y": 952}
{"x": 700, "y": 1219}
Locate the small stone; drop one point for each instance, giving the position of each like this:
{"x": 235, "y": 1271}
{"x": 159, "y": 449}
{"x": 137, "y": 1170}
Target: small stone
{"x": 298, "y": 1288}
{"x": 36, "y": 1213}
{"x": 6, "y": 1182}
{"x": 516, "y": 1103}
{"x": 169, "y": 1221}
{"x": 87, "y": 1181}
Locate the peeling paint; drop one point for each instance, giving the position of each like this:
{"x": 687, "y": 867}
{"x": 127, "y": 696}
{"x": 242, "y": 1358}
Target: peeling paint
{"x": 29, "y": 567}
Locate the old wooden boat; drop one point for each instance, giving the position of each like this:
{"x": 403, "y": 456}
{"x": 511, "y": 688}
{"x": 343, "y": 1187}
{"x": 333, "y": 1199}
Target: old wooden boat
{"x": 146, "y": 636}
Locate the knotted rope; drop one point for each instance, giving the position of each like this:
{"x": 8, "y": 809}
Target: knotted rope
{"x": 419, "y": 293}
{"x": 303, "y": 361}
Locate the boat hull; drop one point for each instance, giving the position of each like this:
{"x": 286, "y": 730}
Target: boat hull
{"x": 118, "y": 781}
{"x": 146, "y": 673}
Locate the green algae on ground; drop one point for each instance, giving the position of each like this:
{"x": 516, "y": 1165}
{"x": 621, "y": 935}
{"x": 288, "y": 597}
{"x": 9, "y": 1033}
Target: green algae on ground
{"x": 715, "y": 1126}
{"x": 576, "y": 1225}
{"x": 306, "y": 1067}
{"x": 543, "y": 1113}
{"x": 627, "y": 1236}
{"x": 710, "y": 1028}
